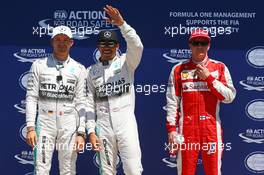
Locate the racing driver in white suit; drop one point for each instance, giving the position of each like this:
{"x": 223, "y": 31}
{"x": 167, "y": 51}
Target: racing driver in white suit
{"x": 111, "y": 121}
{"x": 56, "y": 85}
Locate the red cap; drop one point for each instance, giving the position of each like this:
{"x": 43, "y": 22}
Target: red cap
{"x": 199, "y": 32}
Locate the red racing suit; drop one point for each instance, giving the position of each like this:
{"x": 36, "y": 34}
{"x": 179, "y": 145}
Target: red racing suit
{"x": 193, "y": 106}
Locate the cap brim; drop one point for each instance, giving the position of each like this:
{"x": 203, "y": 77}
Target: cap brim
{"x": 60, "y": 34}
{"x": 107, "y": 40}
{"x": 200, "y": 36}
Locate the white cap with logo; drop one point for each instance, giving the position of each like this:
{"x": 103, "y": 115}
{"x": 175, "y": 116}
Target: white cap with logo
{"x": 61, "y": 30}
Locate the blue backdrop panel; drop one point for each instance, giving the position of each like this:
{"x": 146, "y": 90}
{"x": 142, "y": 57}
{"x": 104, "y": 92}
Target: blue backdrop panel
{"x": 164, "y": 29}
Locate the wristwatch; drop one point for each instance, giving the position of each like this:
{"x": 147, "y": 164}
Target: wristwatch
{"x": 179, "y": 139}
{"x": 82, "y": 134}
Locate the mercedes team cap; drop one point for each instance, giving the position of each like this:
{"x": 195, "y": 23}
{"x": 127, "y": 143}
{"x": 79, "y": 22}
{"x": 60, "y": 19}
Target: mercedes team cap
{"x": 108, "y": 35}
{"x": 61, "y": 30}
{"x": 199, "y": 32}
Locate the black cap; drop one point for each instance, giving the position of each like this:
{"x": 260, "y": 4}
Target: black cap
{"x": 108, "y": 35}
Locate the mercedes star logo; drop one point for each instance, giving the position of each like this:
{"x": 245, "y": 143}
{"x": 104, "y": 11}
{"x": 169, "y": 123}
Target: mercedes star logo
{"x": 107, "y": 34}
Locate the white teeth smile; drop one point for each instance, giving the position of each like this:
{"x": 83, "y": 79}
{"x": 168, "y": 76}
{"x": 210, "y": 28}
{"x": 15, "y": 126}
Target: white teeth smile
{"x": 107, "y": 52}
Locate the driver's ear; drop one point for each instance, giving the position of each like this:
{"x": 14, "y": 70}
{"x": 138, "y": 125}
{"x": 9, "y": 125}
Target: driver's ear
{"x": 72, "y": 42}
{"x": 209, "y": 45}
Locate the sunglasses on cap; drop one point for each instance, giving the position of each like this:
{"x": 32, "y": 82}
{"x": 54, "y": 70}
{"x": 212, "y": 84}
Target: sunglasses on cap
{"x": 110, "y": 44}
{"x": 202, "y": 43}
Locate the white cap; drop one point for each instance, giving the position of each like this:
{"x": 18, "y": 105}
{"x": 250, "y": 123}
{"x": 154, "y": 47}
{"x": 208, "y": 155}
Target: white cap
{"x": 62, "y": 30}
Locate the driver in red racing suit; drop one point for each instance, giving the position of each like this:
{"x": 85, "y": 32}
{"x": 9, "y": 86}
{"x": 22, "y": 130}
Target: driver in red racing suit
{"x": 195, "y": 89}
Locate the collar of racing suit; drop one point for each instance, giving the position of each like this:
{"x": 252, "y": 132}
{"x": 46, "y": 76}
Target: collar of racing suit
{"x": 107, "y": 62}
{"x": 204, "y": 62}
{"x": 60, "y": 64}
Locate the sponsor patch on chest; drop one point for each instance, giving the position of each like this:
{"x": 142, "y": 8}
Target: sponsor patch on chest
{"x": 190, "y": 74}
{"x": 194, "y": 86}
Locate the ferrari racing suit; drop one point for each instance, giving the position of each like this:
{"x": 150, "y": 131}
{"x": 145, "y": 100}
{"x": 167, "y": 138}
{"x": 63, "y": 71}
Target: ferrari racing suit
{"x": 111, "y": 103}
{"x": 193, "y": 107}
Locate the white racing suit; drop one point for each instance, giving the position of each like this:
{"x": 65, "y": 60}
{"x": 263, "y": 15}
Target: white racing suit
{"x": 111, "y": 103}
{"x": 59, "y": 91}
